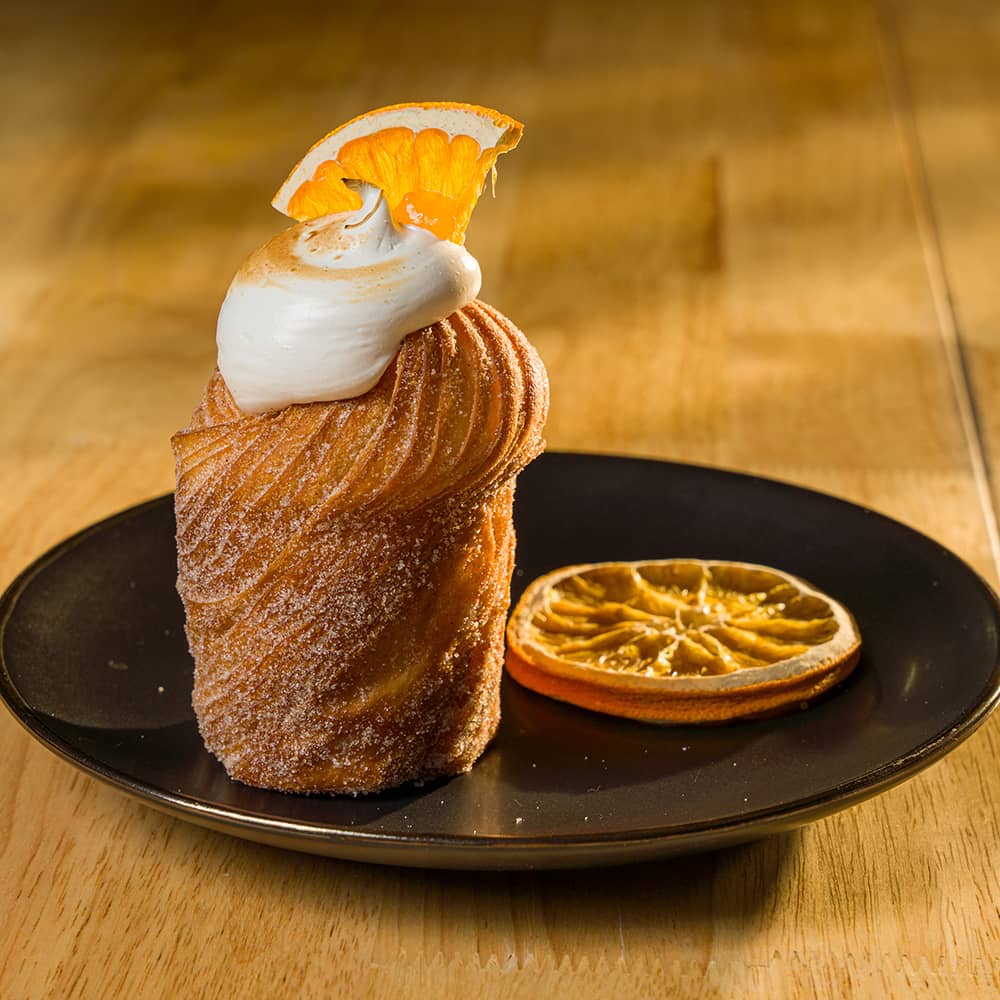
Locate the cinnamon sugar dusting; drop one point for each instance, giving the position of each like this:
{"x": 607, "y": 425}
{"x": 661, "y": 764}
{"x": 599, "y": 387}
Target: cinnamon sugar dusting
{"x": 345, "y": 567}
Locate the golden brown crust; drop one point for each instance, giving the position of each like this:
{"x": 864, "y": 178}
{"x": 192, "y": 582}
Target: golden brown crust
{"x": 345, "y": 567}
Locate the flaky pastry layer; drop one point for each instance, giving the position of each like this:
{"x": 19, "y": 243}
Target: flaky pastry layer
{"x": 345, "y": 567}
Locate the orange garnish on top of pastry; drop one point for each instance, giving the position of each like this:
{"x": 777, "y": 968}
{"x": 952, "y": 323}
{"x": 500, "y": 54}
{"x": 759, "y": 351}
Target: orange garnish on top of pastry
{"x": 430, "y": 159}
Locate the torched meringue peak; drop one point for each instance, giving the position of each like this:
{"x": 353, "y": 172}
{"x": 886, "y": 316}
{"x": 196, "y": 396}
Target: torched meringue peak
{"x": 318, "y": 312}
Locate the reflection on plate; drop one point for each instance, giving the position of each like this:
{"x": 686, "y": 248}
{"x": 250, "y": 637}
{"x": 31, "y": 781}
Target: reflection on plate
{"x": 95, "y": 666}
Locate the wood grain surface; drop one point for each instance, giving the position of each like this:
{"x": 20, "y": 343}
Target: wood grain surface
{"x": 759, "y": 235}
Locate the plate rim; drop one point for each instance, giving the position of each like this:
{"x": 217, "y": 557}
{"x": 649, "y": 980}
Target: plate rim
{"x": 746, "y": 826}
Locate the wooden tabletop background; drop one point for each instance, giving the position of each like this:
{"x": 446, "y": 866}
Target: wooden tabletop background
{"x": 756, "y": 235}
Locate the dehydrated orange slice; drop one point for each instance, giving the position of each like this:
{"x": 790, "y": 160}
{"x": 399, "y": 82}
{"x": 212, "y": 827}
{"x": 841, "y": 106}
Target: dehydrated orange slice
{"x": 679, "y": 640}
{"x": 430, "y": 159}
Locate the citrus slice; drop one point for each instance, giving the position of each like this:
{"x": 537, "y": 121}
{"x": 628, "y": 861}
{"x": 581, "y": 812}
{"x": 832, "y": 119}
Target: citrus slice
{"x": 679, "y": 640}
{"x": 431, "y": 161}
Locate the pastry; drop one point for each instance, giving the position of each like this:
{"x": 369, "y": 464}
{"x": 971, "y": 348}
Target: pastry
{"x": 344, "y": 496}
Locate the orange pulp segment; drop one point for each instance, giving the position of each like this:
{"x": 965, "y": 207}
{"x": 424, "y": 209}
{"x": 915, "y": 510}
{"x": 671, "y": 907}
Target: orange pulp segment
{"x": 431, "y": 160}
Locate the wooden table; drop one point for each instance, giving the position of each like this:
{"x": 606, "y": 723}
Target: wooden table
{"x": 762, "y": 236}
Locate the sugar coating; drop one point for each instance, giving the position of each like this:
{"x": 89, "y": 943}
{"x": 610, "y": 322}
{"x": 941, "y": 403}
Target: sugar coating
{"x": 345, "y": 567}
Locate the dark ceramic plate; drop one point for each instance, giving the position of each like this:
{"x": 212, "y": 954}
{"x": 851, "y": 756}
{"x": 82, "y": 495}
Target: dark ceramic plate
{"x": 95, "y": 665}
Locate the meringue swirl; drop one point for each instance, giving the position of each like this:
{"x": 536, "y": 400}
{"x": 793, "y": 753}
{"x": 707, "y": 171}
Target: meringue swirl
{"x": 318, "y": 313}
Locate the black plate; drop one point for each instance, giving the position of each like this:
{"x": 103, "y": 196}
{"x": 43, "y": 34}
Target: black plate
{"x": 95, "y": 665}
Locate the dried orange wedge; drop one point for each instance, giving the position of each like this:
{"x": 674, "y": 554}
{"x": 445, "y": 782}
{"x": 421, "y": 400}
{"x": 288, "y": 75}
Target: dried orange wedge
{"x": 679, "y": 640}
{"x": 430, "y": 159}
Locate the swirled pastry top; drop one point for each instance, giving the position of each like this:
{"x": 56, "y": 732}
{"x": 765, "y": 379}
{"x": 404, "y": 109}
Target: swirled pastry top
{"x": 459, "y": 412}
{"x": 318, "y": 313}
